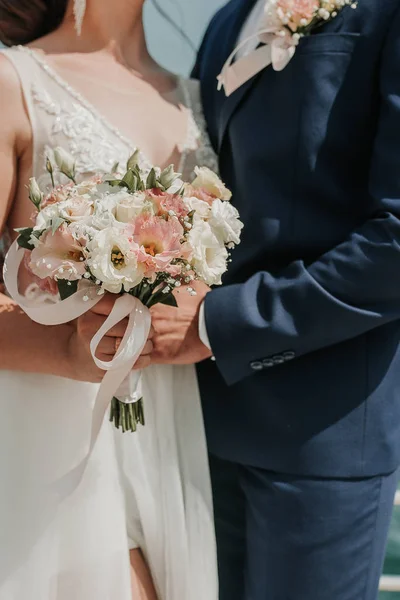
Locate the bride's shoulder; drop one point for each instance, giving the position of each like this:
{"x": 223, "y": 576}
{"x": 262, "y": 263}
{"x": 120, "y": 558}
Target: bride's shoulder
{"x": 12, "y": 108}
{"x": 10, "y": 83}
{"x": 9, "y": 79}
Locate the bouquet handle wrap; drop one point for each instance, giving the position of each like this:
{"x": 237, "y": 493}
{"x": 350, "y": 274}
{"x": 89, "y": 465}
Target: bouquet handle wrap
{"x": 118, "y": 370}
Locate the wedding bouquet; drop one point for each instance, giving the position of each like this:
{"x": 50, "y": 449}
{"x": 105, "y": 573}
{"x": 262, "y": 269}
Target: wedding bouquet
{"x": 133, "y": 233}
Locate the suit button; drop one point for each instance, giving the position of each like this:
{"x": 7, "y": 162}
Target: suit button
{"x": 268, "y": 363}
{"x": 256, "y": 365}
{"x": 278, "y": 359}
{"x": 289, "y": 355}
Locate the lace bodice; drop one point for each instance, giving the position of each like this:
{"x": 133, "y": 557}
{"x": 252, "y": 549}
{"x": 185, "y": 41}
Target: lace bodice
{"x": 61, "y": 116}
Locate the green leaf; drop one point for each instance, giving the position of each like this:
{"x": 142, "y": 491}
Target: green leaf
{"x": 115, "y": 183}
{"x": 115, "y": 167}
{"x": 133, "y": 160}
{"x": 161, "y": 298}
{"x": 151, "y": 180}
{"x": 66, "y": 288}
{"x": 130, "y": 180}
{"x": 24, "y": 238}
{"x": 169, "y": 300}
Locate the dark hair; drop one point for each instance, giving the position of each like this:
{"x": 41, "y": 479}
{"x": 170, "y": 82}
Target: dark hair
{"x": 22, "y": 21}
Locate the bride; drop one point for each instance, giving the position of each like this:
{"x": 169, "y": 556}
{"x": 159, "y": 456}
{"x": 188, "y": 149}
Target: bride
{"x": 139, "y": 526}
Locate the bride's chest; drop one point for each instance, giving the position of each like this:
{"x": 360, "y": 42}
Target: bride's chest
{"x": 100, "y": 135}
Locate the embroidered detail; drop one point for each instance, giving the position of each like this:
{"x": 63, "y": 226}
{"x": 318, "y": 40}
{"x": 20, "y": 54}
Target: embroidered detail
{"x": 87, "y": 139}
{"x": 87, "y": 131}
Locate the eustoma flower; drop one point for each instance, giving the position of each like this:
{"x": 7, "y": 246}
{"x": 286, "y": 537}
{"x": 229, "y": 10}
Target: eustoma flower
{"x": 209, "y": 255}
{"x": 58, "y": 255}
{"x": 114, "y": 261}
{"x": 160, "y": 242}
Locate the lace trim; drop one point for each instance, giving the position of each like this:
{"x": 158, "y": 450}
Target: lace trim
{"x": 87, "y": 140}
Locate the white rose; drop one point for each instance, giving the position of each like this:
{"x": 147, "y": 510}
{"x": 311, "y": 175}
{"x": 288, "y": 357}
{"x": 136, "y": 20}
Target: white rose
{"x": 104, "y": 209}
{"x": 201, "y": 208}
{"x": 77, "y": 208}
{"x": 113, "y": 260}
{"x": 225, "y": 223}
{"x": 209, "y": 181}
{"x": 46, "y": 216}
{"x": 209, "y": 254}
{"x": 128, "y": 206}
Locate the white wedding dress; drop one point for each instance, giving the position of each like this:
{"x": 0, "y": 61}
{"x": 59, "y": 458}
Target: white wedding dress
{"x": 150, "y": 489}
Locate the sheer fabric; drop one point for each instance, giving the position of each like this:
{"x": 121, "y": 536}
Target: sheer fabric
{"x": 150, "y": 489}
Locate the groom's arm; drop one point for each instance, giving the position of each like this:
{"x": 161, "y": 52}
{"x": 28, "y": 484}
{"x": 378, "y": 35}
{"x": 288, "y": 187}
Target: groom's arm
{"x": 350, "y": 290}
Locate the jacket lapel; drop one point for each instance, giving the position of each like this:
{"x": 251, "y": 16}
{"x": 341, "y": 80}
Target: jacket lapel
{"x": 229, "y": 105}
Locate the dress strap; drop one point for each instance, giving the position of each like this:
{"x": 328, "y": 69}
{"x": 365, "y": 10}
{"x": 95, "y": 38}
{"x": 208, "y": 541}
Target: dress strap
{"x": 30, "y": 79}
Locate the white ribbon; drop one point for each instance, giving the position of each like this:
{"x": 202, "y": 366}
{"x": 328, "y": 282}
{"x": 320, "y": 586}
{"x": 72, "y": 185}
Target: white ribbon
{"x": 118, "y": 371}
{"x": 278, "y": 51}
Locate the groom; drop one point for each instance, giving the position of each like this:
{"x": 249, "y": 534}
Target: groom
{"x": 302, "y": 402}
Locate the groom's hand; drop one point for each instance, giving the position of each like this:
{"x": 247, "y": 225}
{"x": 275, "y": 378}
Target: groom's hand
{"x": 176, "y": 330}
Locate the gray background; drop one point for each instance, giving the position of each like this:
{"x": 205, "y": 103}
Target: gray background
{"x": 164, "y": 43}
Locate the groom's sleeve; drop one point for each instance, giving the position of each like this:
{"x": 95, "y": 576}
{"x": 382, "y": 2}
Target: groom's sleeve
{"x": 353, "y": 288}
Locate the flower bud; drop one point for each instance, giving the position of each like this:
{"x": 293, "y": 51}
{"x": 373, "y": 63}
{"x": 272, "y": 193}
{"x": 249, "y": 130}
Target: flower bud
{"x": 65, "y": 162}
{"x": 35, "y": 195}
{"x": 168, "y": 177}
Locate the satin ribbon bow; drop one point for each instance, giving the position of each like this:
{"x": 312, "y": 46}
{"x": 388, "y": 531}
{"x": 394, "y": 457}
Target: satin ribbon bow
{"x": 278, "y": 50}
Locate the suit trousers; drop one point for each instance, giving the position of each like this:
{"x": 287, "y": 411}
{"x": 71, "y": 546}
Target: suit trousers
{"x": 283, "y": 537}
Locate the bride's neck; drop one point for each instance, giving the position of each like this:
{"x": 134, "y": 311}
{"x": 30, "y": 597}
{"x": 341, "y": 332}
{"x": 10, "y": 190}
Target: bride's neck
{"x": 113, "y": 25}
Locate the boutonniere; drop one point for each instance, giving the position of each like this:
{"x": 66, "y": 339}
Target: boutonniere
{"x": 283, "y": 24}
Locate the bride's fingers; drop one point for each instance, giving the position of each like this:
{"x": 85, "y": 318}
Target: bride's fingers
{"x": 118, "y": 331}
{"x": 108, "y": 347}
{"x": 148, "y": 348}
{"x": 142, "y": 363}
{"x": 105, "y": 306}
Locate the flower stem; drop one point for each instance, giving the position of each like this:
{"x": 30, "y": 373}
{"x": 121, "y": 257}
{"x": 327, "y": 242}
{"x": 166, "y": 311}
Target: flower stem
{"x": 127, "y": 416}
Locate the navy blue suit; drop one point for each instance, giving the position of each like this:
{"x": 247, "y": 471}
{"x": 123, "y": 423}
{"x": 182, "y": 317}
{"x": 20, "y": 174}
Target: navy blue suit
{"x": 303, "y": 401}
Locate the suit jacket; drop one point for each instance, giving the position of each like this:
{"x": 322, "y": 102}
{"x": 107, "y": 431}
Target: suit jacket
{"x": 305, "y": 329}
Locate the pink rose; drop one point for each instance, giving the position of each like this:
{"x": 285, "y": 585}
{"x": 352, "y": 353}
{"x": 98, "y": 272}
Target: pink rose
{"x": 298, "y": 10}
{"x": 58, "y": 194}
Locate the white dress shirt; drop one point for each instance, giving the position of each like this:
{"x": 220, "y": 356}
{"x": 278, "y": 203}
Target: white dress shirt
{"x": 249, "y": 28}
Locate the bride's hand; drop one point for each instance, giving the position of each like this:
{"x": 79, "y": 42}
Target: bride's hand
{"x": 81, "y": 364}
